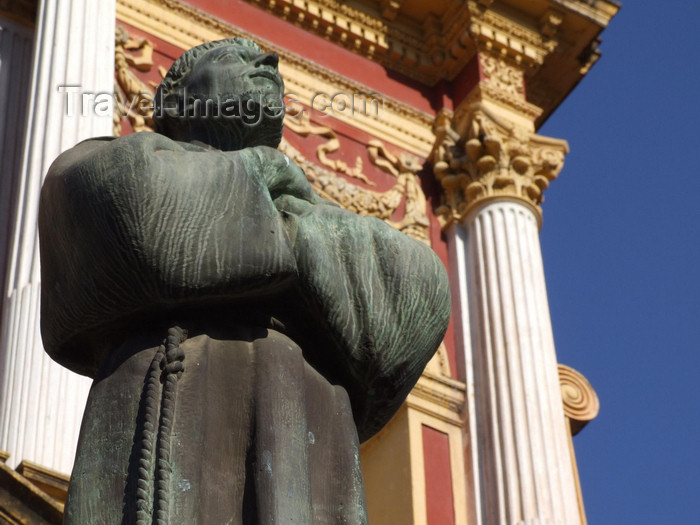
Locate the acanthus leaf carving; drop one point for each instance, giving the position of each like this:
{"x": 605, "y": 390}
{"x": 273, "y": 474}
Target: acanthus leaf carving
{"x": 479, "y": 156}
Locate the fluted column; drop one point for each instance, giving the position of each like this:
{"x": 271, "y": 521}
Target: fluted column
{"x": 493, "y": 172}
{"x": 526, "y": 472}
{"x": 42, "y": 403}
{"x": 16, "y": 43}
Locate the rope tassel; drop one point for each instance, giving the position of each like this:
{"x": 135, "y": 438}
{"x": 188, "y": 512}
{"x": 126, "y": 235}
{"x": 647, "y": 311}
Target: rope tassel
{"x": 154, "y": 476}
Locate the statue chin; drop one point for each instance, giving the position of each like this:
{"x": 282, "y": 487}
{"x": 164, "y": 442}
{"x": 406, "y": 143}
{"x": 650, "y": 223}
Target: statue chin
{"x": 233, "y": 134}
{"x": 233, "y": 123}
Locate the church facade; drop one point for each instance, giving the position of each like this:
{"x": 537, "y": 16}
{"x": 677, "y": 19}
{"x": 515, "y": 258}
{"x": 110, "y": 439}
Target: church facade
{"x": 423, "y": 114}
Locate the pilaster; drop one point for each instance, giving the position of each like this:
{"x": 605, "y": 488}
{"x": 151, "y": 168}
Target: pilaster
{"x": 42, "y": 403}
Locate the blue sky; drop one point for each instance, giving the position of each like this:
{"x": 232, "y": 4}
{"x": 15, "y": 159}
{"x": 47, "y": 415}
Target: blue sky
{"x": 621, "y": 247}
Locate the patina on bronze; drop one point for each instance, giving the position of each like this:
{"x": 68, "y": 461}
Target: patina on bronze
{"x": 244, "y": 335}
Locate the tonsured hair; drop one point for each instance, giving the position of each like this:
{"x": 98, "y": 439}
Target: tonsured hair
{"x": 183, "y": 65}
{"x": 218, "y": 133}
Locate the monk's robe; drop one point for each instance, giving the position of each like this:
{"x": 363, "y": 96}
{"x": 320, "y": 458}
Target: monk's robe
{"x": 303, "y": 328}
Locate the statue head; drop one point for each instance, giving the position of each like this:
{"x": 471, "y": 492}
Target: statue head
{"x": 227, "y": 94}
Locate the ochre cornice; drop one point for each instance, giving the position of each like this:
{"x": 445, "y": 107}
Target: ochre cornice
{"x": 425, "y": 45}
{"x": 553, "y": 42}
{"x": 363, "y": 31}
{"x": 431, "y": 42}
{"x": 581, "y": 404}
{"x": 438, "y": 396}
{"x": 480, "y": 156}
{"x": 499, "y": 33}
{"x": 600, "y": 11}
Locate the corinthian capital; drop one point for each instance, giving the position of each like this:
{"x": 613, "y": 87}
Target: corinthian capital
{"x": 480, "y": 156}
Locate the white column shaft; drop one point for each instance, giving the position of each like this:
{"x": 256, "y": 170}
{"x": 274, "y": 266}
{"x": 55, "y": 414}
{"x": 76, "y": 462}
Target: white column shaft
{"x": 520, "y": 437}
{"x": 42, "y": 404}
{"x": 16, "y": 43}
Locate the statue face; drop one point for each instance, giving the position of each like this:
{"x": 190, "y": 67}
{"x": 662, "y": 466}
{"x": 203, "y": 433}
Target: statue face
{"x": 233, "y": 75}
{"x": 231, "y": 98}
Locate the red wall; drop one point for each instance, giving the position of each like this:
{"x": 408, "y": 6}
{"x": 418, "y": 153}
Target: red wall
{"x": 438, "y": 477}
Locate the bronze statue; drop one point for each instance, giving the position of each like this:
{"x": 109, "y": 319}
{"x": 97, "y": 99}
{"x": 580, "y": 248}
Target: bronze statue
{"x": 244, "y": 335}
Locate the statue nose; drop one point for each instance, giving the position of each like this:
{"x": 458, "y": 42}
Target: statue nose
{"x": 268, "y": 59}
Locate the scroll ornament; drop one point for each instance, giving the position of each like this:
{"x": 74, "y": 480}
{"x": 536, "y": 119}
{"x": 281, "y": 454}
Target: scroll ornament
{"x": 581, "y": 404}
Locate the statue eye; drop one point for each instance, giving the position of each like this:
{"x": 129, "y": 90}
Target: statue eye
{"x": 224, "y": 56}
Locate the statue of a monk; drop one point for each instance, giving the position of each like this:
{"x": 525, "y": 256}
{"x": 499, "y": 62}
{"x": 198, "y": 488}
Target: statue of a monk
{"x": 244, "y": 335}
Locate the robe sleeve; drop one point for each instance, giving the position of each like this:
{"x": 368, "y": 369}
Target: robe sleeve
{"x": 141, "y": 225}
{"x": 379, "y": 298}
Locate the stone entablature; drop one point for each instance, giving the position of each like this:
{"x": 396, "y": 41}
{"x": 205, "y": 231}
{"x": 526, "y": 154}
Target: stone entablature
{"x": 554, "y": 42}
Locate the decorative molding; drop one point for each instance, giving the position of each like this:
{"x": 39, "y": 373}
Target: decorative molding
{"x": 438, "y": 396}
{"x": 390, "y": 8}
{"x": 597, "y": 11}
{"x": 479, "y": 156}
{"x": 300, "y": 124}
{"x": 406, "y": 191}
{"x": 581, "y": 404}
{"x": 51, "y": 482}
{"x": 432, "y": 42}
{"x": 362, "y": 31}
{"x": 133, "y": 97}
{"x": 502, "y": 77}
{"x": 499, "y": 34}
{"x": 551, "y": 22}
{"x": 516, "y": 103}
{"x": 502, "y": 82}
{"x": 589, "y": 56}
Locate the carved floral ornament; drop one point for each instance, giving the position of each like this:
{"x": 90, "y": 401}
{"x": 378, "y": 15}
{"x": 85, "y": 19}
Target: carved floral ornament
{"x": 479, "y": 156}
{"x": 500, "y": 75}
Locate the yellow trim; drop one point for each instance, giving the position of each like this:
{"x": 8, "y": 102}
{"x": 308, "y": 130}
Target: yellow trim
{"x": 393, "y": 461}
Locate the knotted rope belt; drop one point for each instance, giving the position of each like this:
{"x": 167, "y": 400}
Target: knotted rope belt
{"x": 154, "y": 476}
